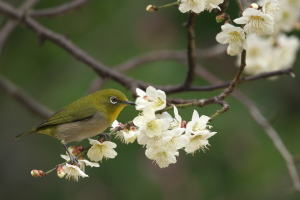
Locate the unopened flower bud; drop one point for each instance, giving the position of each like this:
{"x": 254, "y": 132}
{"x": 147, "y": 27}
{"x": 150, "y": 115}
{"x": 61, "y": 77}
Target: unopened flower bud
{"x": 220, "y": 18}
{"x": 75, "y": 150}
{"x": 151, "y": 8}
{"x": 254, "y": 5}
{"x": 37, "y": 173}
{"x": 183, "y": 124}
{"x": 60, "y": 171}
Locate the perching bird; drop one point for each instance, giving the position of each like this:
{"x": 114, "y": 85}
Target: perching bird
{"x": 84, "y": 118}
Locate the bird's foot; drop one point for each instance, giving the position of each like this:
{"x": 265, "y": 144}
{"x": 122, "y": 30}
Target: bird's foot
{"x": 73, "y": 160}
{"x": 104, "y": 137}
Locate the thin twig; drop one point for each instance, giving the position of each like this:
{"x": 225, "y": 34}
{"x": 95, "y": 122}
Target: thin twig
{"x": 191, "y": 51}
{"x": 240, "y": 5}
{"x": 59, "y": 10}
{"x": 236, "y": 79}
{"x": 263, "y": 122}
{"x": 27, "y": 101}
{"x": 10, "y": 25}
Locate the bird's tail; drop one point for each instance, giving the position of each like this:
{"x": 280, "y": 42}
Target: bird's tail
{"x": 24, "y": 134}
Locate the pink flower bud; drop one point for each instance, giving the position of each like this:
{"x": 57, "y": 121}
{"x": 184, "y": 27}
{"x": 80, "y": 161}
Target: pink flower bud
{"x": 60, "y": 171}
{"x": 183, "y": 124}
{"x": 220, "y": 18}
{"x": 37, "y": 173}
{"x": 76, "y": 150}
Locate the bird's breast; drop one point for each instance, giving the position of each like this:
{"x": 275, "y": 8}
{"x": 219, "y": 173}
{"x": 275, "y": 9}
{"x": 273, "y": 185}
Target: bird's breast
{"x": 79, "y": 130}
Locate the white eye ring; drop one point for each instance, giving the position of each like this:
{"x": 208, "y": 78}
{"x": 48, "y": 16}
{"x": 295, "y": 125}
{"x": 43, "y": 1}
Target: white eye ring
{"x": 113, "y": 100}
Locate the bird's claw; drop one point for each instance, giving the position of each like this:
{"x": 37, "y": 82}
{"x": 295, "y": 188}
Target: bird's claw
{"x": 74, "y": 161}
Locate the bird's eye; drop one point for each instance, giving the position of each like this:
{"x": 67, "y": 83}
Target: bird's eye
{"x": 113, "y": 100}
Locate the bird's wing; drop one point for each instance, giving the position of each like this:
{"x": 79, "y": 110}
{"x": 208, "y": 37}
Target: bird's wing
{"x": 67, "y": 115}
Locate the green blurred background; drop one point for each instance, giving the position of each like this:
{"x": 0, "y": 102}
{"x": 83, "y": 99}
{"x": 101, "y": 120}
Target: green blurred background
{"x": 241, "y": 162}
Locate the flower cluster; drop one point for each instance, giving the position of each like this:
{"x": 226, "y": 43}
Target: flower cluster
{"x": 198, "y": 6}
{"x": 263, "y": 55}
{"x": 162, "y": 134}
{"x": 268, "y": 47}
{"x": 288, "y": 15}
{"x": 98, "y": 151}
{"x": 259, "y": 20}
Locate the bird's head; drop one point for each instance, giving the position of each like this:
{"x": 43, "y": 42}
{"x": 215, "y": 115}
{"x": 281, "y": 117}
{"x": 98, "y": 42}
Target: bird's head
{"x": 111, "y": 102}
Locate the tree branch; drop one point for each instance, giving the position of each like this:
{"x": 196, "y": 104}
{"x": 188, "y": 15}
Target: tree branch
{"x": 10, "y": 25}
{"x": 263, "y": 122}
{"x": 236, "y": 79}
{"x": 191, "y": 51}
{"x": 17, "y": 94}
{"x": 59, "y": 10}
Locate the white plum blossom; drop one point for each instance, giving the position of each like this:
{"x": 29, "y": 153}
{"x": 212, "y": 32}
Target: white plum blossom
{"x": 195, "y": 6}
{"x": 155, "y": 98}
{"x": 288, "y": 15}
{"x": 270, "y": 7}
{"x": 149, "y": 124}
{"x": 198, "y": 133}
{"x": 126, "y": 135}
{"x": 256, "y": 22}
{"x": 82, "y": 162}
{"x": 270, "y": 54}
{"x": 212, "y": 4}
{"x": 162, "y": 156}
{"x": 163, "y": 135}
{"x": 257, "y": 55}
{"x": 177, "y": 121}
{"x": 166, "y": 135}
{"x": 100, "y": 150}
{"x": 234, "y": 36}
{"x": 74, "y": 172}
{"x": 174, "y": 139}
{"x": 286, "y": 51}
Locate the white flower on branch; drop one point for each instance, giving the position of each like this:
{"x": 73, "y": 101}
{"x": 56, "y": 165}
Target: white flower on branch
{"x": 177, "y": 121}
{"x": 198, "y": 133}
{"x": 162, "y": 156}
{"x": 234, "y": 36}
{"x": 74, "y": 172}
{"x": 270, "y": 54}
{"x": 155, "y": 98}
{"x": 127, "y": 135}
{"x": 258, "y": 55}
{"x": 149, "y": 125}
{"x": 82, "y": 162}
{"x": 256, "y": 22}
{"x": 212, "y": 4}
{"x": 270, "y": 7}
{"x": 195, "y": 6}
{"x": 100, "y": 150}
{"x": 288, "y": 16}
{"x": 286, "y": 51}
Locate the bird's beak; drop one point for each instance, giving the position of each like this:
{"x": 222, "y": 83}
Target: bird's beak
{"x": 128, "y": 103}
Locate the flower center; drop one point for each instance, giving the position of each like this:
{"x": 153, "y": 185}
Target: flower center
{"x": 193, "y": 2}
{"x": 197, "y": 127}
{"x": 234, "y": 36}
{"x": 256, "y": 21}
{"x": 151, "y": 125}
{"x": 159, "y": 102}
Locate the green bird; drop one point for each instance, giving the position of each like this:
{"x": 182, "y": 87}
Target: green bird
{"x": 84, "y": 118}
